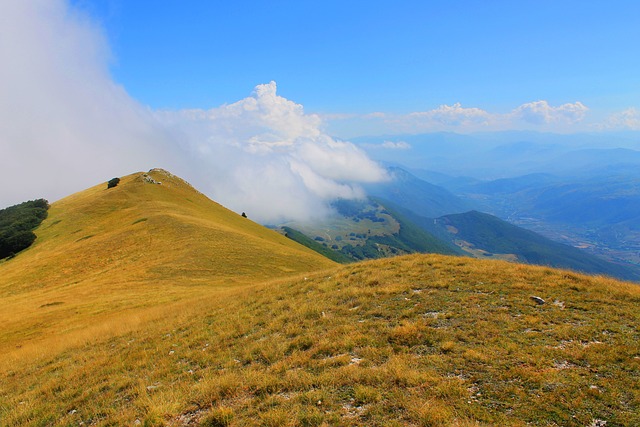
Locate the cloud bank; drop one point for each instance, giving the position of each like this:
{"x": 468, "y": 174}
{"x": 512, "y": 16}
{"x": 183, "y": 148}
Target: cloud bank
{"x": 537, "y": 115}
{"x": 265, "y": 156}
{"x": 65, "y": 125}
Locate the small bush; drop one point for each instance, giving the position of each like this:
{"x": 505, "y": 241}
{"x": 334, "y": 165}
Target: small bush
{"x": 113, "y": 182}
{"x": 363, "y": 395}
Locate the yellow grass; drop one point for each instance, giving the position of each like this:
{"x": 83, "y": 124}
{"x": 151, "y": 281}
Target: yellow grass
{"x": 218, "y": 331}
{"x": 103, "y": 256}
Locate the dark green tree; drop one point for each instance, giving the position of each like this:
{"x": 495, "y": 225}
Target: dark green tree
{"x": 17, "y": 223}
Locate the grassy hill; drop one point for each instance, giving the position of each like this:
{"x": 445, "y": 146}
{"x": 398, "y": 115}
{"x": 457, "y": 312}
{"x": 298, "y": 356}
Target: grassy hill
{"x": 424, "y": 340}
{"x": 103, "y": 255}
{"x": 492, "y": 236}
{"x": 425, "y": 199}
{"x": 366, "y": 229}
{"x": 148, "y": 304}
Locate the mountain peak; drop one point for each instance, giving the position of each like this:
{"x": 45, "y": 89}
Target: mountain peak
{"x": 150, "y": 239}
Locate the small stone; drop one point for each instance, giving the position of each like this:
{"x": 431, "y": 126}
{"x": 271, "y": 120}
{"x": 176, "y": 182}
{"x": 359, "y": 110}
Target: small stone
{"x": 538, "y": 300}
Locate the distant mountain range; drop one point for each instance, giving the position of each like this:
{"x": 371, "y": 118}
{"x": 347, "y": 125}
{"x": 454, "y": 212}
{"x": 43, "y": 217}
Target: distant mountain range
{"x": 578, "y": 189}
{"x": 493, "y": 236}
{"x": 365, "y": 229}
{"x": 409, "y": 215}
{"x": 497, "y": 155}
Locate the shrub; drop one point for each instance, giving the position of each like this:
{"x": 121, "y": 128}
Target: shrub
{"x": 17, "y": 223}
{"x": 113, "y": 182}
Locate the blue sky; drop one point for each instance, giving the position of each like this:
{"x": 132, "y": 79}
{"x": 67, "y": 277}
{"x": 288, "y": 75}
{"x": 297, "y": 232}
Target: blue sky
{"x": 337, "y": 57}
{"x": 255, "y": 103}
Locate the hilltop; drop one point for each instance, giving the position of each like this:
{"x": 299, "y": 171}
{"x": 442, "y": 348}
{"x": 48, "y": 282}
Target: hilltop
{"x": 151, "y": 240}
{"x": 149, "y": 304}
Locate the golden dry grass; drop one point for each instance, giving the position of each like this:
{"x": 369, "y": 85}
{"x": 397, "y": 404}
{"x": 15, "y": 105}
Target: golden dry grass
{"x": 104, "y": 257}
{"x": 421, "y": 340}
{"x": 151, "y": 305}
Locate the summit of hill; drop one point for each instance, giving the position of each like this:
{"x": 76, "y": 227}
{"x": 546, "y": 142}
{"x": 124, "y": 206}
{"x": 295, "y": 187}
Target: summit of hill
{"x": 151, "y": 239}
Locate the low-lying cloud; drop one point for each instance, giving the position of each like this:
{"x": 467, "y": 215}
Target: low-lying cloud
{"x": 265, "y": 156}
{"x": 65, "y": 125}
{"x": 537, "y": 115}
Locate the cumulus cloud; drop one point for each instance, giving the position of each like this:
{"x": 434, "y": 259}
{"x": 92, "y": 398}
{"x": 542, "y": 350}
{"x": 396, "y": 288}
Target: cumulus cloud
{"x": 264, "y": 155}
{"x": 66, "y": 125}
{"x": 453, "y": 115}
{"x": 628, "y": 119}
{"x": 445, "y": 117}
{"x": 540, "y": 112}
{"x": 538, "y": 115}
{"x": 389, "y": 145}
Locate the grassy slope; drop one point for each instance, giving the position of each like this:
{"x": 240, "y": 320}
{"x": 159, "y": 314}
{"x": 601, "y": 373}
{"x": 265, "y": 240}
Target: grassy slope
{"x": 354, "y": 236}
{"x": 105, "y": 257}
{"x": 497, "y": 236}
{"x": 417, "y": 238}
{"x": 307, "y": 241}
{"x": 424, "y": 340}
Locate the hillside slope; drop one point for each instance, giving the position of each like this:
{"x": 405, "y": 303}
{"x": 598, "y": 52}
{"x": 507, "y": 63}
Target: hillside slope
{"x": 476, "y": 230}
{"x": 425, "y": 199}
{"x": 151, "y": 240}
{"x": 367, "y": 229}
{"x": 421, "y": 340}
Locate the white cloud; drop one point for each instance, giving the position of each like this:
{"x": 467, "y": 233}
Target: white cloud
{"x": 389, "y": 145}
{"x": 397, "y": 145}
{"x": 452, "y": 115}
{"x": 265, "y": 156}
{"x": 628, "y": 119}
{"x": 445, "y": 117}
{"x": 65, "y": 125}
{"x": 540, "y": 113}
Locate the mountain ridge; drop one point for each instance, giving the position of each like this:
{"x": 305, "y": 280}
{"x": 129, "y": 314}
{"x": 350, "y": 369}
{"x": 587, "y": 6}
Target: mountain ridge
{"x": 152, "y": 239}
